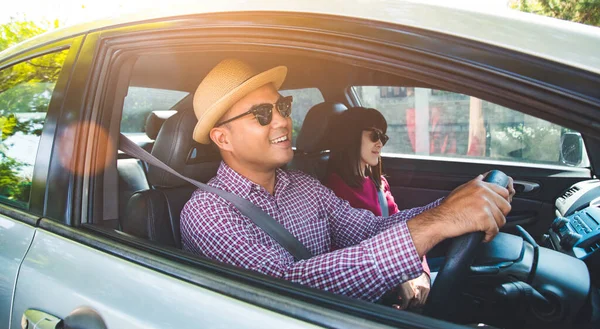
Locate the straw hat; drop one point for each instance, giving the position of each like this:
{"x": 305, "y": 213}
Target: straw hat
{"x": 224, "y": 85}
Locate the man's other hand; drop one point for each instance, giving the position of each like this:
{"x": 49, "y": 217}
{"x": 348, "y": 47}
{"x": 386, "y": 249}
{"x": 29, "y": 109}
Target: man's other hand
{"x": 511, "y": 189}
{"x": 413, "y": 293}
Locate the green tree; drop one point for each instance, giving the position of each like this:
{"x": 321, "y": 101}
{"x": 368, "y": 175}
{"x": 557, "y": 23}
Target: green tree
{"x": 580, "y": 11}
{"x": 20, "y": 29}
{"x": 25, "y": 92}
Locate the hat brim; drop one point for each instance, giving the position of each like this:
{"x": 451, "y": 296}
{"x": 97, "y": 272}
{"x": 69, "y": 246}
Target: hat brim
{"x": 209, "y": 118}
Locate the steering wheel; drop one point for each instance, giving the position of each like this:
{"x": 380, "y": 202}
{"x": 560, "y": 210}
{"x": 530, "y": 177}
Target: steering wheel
{"x": 443, "y": 298}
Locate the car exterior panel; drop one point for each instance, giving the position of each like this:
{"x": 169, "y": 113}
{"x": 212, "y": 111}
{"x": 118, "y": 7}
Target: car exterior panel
{"x": 60, "y": 275}
{"x": 15, "y": 239}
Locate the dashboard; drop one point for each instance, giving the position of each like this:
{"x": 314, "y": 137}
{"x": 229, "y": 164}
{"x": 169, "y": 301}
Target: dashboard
{"x": 576, "y": 229}
{"x": 578, "y": 197}
{"x": 517, "y": 281}
{"x": 558, "y": 283}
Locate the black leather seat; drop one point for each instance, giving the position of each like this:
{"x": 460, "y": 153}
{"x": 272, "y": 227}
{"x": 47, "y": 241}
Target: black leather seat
{"x": 132, "y": 178}
{"x": 313, "y": 143}
{"x": 132, "y": 172}
{"x": 154, "y": 123}
{"x": 154, "y": 213}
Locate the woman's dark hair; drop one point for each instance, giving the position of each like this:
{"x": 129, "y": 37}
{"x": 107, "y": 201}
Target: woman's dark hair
{"x": 346, "y": 137}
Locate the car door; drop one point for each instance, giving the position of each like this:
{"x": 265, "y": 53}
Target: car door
{"x": 440, "y": 139}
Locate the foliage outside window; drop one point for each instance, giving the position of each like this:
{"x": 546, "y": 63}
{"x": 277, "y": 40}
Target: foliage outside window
{"x": 580, "y": 11}
{"x": 441, "y": 123}
{"x": 25, "y": 92}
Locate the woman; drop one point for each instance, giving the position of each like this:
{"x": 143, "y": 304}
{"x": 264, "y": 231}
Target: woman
{"x": 354, "y": 173}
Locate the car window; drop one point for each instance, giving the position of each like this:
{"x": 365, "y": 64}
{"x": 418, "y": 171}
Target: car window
{"x": 140, "y": 101}
{"x": 304, "y": 100}
{"x": 25, "y": 92}
{"x": 425, "y": 121}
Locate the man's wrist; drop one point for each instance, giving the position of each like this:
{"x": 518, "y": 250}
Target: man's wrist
{"x": 426, "y": 229}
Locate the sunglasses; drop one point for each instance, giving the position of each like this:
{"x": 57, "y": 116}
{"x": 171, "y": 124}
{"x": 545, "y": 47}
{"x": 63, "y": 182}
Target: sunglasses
{"x": 264, "y": 112}
{"x": 377, "y": 135}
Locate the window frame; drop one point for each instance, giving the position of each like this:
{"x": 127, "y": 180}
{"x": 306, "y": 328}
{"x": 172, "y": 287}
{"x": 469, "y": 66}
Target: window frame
{"x": 36, "y": 205}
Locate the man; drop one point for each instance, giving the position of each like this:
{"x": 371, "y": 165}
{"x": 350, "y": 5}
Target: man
{"x": 242, "y": 113}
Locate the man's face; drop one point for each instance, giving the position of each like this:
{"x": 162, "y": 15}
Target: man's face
{"x": 252, "y": 145}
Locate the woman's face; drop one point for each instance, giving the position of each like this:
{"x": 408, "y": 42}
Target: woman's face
{"x": 369, "y": 150}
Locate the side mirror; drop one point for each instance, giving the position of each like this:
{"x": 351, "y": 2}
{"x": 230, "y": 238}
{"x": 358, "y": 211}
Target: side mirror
{"x": 571, "y": 149}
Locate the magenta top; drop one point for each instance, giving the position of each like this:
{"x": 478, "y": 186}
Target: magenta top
{"x": 365, "y": 197}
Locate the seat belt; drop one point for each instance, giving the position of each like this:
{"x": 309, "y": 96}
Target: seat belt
{"x": 383, "y": 203}
{"x": 263, "y": 220}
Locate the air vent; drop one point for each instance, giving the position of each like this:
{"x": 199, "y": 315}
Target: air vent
{"x": 570, "y": 192}
{"x": 592, "y": 248}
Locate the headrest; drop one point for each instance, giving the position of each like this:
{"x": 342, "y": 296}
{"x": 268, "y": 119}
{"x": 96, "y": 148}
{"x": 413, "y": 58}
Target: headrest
{"x": 175, "y": 147}
{"x": 313, "y": 134}
{"x": 155, "y": 120}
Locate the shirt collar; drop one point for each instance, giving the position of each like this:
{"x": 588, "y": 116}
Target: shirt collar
{"x": 236, "y": 183}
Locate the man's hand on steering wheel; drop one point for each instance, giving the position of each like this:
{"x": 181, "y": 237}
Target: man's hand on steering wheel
{"x": 475, "y": 206}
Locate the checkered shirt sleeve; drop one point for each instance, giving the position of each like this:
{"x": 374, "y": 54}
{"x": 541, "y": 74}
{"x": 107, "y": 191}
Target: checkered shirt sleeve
{"x": 371, "y": 254}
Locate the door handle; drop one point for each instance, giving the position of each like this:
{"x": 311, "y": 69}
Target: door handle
{"x": 81, "y": 318}
{"x": 522, "y": 186}
{"x": 35, "y": 319}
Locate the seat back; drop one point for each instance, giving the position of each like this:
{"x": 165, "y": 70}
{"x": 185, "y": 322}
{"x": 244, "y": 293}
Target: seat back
{"x": 312, "y": 145}
{"x": 132, "y": 178}
{"x": 154, "y": 123}
{"x": 133, "y": 172}
{"x": 154, "y": 213}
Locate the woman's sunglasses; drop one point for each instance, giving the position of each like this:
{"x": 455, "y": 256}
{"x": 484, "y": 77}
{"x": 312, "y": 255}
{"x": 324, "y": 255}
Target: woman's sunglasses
{"x": 264, "y": 112}
{"x": 377, "y": 135}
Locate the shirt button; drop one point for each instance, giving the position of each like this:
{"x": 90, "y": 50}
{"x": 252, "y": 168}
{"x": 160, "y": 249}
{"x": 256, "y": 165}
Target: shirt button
{"x": 404, "y": 277}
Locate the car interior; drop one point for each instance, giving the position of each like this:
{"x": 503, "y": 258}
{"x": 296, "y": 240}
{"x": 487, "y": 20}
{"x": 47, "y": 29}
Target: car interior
{"x": 521, "y": 280}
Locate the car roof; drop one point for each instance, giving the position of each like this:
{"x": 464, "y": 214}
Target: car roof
{"x": 560, "y": 41}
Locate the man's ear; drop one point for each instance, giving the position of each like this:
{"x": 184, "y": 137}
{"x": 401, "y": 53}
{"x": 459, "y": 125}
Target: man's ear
{"x": 220, "y": 136}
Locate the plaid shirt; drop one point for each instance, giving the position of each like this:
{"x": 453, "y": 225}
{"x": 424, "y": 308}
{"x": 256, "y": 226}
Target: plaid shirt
{"x": 355, "y": 253}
